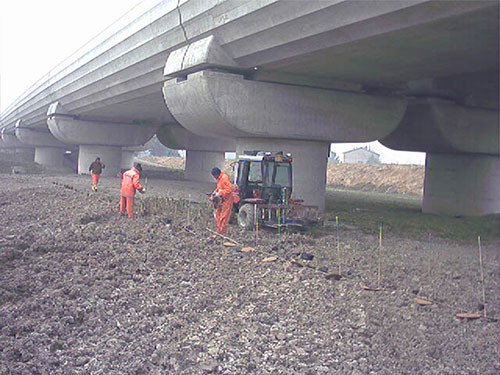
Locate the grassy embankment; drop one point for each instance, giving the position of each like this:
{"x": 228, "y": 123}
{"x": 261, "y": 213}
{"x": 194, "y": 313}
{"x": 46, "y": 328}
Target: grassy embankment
{"x": 401, "y": 214}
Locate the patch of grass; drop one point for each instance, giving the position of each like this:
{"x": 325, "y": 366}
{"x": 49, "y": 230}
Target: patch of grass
{"x": 402, "y": 214}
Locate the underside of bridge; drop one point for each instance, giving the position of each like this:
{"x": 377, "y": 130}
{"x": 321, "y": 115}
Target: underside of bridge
{"x": 292, "y": 76}
{"x": 429, "y": 86}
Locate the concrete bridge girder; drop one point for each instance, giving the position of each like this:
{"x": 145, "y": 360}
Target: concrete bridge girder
{"x": 97, "y": 138}
{"x": 202, "y": 153}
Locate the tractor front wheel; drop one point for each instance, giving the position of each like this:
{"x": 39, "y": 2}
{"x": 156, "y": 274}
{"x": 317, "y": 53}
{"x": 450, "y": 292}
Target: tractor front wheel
{"x": 246, "y": 216}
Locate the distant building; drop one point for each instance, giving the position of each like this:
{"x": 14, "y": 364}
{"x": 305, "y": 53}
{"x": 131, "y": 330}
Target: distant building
{"x": 361, "y": 155}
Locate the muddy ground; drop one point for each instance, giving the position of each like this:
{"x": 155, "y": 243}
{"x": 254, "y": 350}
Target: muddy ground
{"x": 86, "y": 291}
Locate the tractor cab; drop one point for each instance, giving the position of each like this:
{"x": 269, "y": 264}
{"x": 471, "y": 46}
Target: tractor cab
{"x": 264, "y": 182}
{"x": 264, "y": 177}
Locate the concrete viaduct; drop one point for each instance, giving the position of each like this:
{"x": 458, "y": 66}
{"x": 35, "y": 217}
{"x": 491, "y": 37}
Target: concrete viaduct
{"x": 211, "y": 76}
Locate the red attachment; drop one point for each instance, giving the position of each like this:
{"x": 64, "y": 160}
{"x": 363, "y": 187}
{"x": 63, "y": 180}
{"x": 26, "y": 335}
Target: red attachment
{"x": 254, "y": 200}
{"x": 256, "y": 193}
{"x": 235, "y": 191}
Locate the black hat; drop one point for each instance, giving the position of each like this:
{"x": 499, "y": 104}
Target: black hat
{"x": 215, "y": 172}
{"x": 138, "y": 166}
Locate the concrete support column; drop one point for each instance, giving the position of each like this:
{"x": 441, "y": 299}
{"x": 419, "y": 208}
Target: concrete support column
{"x": 127, "y": 161}
{"x": 200, "y": 163}
{"x": 25, "y": 154}
{"x": 110, "y": 155}
{"x": 128, "y": 153}
{"x": 308, "y": 166}
{"x": 49, "y": 156}
{"x": 202, "y": 153}
{"x": 463, "y": 184}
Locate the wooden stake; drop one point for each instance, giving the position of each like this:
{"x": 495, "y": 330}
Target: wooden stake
{"x": 338, "y": 244}
{"x": 220, "y": 235}
{"x": 279, "y": 229}
{"x": 256, "y": 224}
{"x": 482, "y": 278}
{"x": 431, "y": 255}
{"x": 379, "y": 274}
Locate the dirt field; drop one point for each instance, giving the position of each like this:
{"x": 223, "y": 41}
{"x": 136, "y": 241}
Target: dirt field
{"x": 86, "y": 291}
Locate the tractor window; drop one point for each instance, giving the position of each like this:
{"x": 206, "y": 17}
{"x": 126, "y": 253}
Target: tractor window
{"x": 255, "y": 173}
{"x": 240, "y": 177}
{"x": 282, "y": 174}
{"x": 277, "y": 174}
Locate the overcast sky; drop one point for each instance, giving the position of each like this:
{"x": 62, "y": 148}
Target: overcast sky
{"x": 37, "y": 35}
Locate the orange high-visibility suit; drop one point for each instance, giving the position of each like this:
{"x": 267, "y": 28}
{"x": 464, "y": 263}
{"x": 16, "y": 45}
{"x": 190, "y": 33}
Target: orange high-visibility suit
{"x": 130, "y": 183}
{"x": 223, "y": 212}
{"x": 95, "y": 178}
{"x": 95, "y": 170}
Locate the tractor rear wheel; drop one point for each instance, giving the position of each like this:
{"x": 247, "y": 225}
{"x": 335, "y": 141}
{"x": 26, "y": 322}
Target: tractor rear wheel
{"x": 246, "y": 216}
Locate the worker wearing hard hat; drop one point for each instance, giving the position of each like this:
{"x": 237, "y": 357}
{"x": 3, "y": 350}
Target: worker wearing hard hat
{"x": 222, "y": 198}
{"x": 130, "y": 183}
{"x": 95, "y": 171}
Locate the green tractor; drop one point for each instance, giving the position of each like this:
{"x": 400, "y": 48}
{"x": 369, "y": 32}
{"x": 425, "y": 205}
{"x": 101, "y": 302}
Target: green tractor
{"x": 264, "y": 189}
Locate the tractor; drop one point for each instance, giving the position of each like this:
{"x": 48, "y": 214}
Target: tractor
{"x": 264, "y": 189}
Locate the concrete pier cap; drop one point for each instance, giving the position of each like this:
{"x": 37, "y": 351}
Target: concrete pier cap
{"x": 22, "y": 151}
{"x": 48, "y": 150}
{"x": 202, "y": 153}
{"x": 207, "y": 93}
{"x": 96, "y": 138}
{"x": 462, "y": 171}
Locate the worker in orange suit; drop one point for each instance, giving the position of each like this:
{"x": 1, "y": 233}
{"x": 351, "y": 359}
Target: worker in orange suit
{"x": 130, "y": 183}
{"x": 95, "y": 171}
{"x": 222, "y": 198}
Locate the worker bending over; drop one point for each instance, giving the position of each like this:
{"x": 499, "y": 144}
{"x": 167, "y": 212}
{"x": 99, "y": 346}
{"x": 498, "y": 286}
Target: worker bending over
{"x": 130, "y": 183}
{"x": 95, "y": 171}
{"x": 222, "y": 198}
